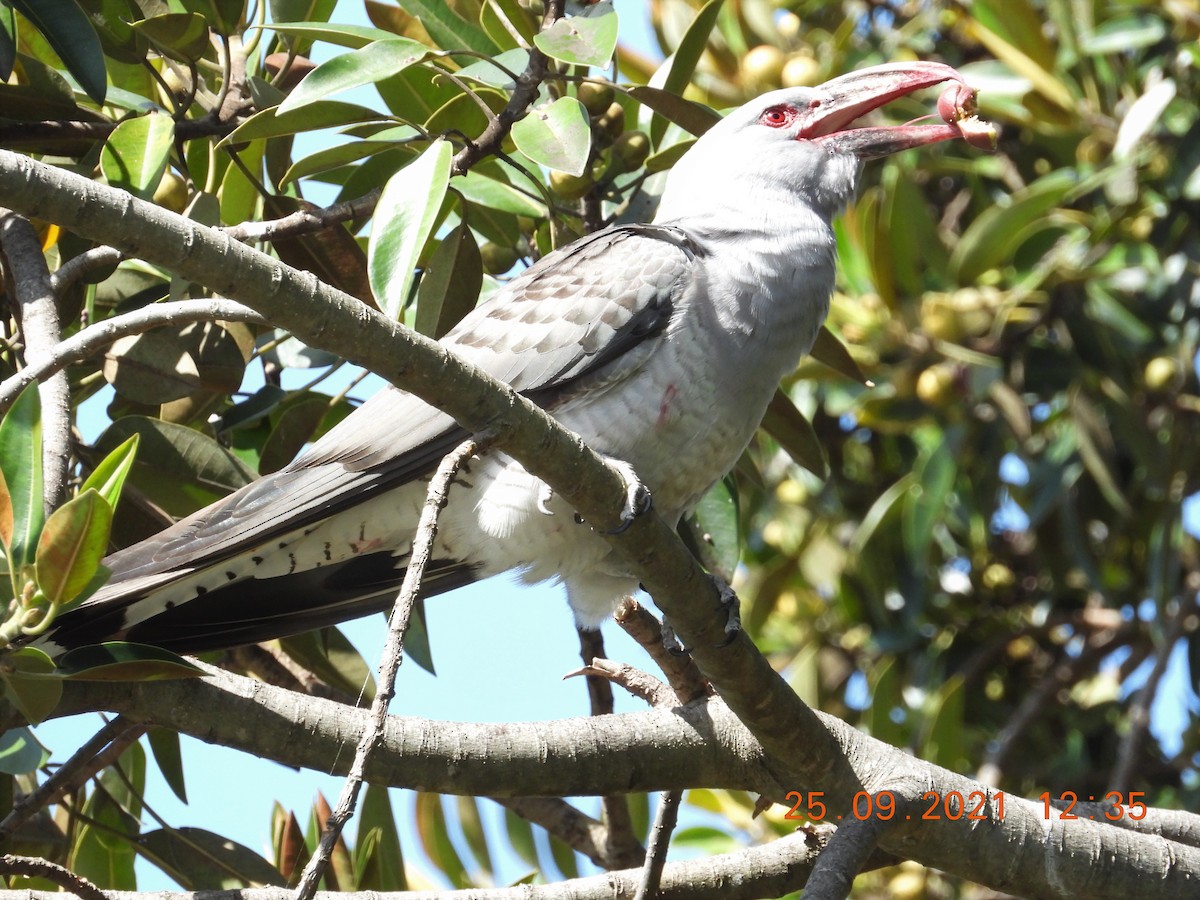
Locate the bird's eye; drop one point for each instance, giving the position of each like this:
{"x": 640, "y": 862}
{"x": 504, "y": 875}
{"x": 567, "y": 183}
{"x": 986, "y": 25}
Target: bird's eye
{"x": 777, "y": 116}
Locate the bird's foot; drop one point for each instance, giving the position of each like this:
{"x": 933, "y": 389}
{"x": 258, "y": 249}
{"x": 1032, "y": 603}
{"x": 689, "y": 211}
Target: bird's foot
{"x": 671, "y": 642}
{"x": 733, "y": 606}
{"x": 638, "y": 499}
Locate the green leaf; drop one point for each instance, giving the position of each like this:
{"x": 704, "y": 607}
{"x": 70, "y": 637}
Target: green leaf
{"x": 556, "y": 136}
{"x": 795, "y": 434}
{"x": 676, "y": 71}
{"x": 151, "y": 368}
{"x": 21, "y": 464}
{"x": 30, "y": 684}
{"x": 178, "y": 468}
{"x": 501, "y": 18}
{"x": 416, "y": 639}
{"x": 482, "y": 189}
{"x": 1123, "y": 34}
{"x": 297, "y": 424}
{"x": 373, "y": 63}
{"x": 20, "y": 752}
{"x": 136, "y": 154}
{"x": 109, "y": 476}
{"x": 450, "y": 286}
{"x": 379, "y": 860}
{"x": 990, "y": 240}
{"x": 520, "y": 838}
{"x": 925, "y": 504}
{"x": 201, "y": 860}
{"x": 73, "y": 542}
{"x": 711, "y": 530}
{"x": 225, "y": 15}
{"x": 448, "y": 29}
{"x": 312, "y": 117}
{"x": 8, "y": 41}
{"x": 430, "y": 819}
{"x": 582, "y": 40}
{"x": 181, "y": 36}
{"x": 122, "y": 661}
{"x": 691, "y": 117}
{"x": 164, "y": 745}
{"x": 830, "y": 351}
{"x": 404, "y": 220}
{"x": 352, "y": 36}
{"x": 332, "y": 658}
{"x": 69, "y": 31}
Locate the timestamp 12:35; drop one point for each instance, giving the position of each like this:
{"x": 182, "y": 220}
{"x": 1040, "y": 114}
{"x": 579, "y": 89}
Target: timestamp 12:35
{"x": 954, "y": 805}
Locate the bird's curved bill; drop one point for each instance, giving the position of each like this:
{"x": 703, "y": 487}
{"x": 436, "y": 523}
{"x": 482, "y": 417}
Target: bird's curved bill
{"x": 849, "y": 97}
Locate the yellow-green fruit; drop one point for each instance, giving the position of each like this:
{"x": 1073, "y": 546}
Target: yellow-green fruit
{"x": 801, "y": 70}
{"x": 762, "y": 67}
{"x": 172, "y": 193}
{"x": 789, "y": 26}
{"x": 497, "y": 259}
{"x": 570, "y": 187}
{"x": 595, "y": 97}
{"x": 611, "y": 122}
{"x": 632, "y": 148}
{"x": 1161, "y": 373}
{"x": 937, "y": 385}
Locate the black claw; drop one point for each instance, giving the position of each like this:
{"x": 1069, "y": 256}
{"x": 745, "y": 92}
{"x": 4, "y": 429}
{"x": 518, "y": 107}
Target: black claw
{"x": 643, "y": 501}
{"x": 733, "y": 621}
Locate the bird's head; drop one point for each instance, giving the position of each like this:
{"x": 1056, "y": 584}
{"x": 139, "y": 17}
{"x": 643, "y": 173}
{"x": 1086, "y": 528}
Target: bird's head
{"x": 802, "y": 142}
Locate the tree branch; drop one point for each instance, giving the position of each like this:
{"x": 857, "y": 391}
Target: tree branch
{"x": 97, "y": 337}
{"x": 38, "y": 314}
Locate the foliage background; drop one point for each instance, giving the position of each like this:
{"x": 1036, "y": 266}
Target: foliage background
{"x": 995, "y": 572}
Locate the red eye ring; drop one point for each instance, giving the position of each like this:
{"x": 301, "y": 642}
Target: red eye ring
{"x": 777, "y": 116}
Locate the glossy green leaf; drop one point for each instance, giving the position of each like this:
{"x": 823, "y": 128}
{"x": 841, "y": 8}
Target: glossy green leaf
{"x": 20, "y": 752}
{"x": 8, "y": 41}
{"x": 30, "y": 685}
{"x": 164, "y": 745}
{"x": 1123, "y": 34}
{"x": 224, "y": 15}
{"x": 925, "y": 504}
{"x": 676, "y": 71}
{"x": 21, "y": 463}
{"x": 711, "y": 530}
{"x": 557, "y": 136}
{"x": 67, "y": 29}
{"x": 73, "y": 541}
{"x": 520, "y": 838}
{"x": 404, "y": 221}
{"x": 795, "y": 434}
{"x": 311, "y": 117}
{"x": 416, "y": 639}
{"x": 830, "y": 351}
{"x": 430, "y": 819}
{"x": 181, "y": 36}
{"x": 344, "y": 35}
{"x": 480, "y": 188}
{"x": 332, "y": 658}
{"x": 448, "y": 29}
{"x": 178, "y": 468}
{"x": 151, "y": 368}
{"x": 108, "y": 477}
{"x": 582, "y": 40}
{"x": 507, "y": 24}
{"x": 691, "y": 117}
{"x": 122, "y": 661}
{"x": 450, "y": 286}
{"x": 202, "y": 860}
{"x": 943, "y": 742}
{"x": 379, "y": 860}
{"x": 988, "y": 242}
{"x": 470, "y": 822}
{"x": 295, "y": 427}
{"x": 373, "y": 63}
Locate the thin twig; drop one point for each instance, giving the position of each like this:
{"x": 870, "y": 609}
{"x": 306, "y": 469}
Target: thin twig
{"x": 84, "y": 763}
{"x": 528, "y": 84}
{"x": 32, "y": 867}
{"x": 422, "y": 549}
{"x": 1130, "y": 747}
{"x": 656, "y": 854}
{"x": 38, "y": 315}
{"x": 681, "y": 671}
{"x": 96, "y": 337}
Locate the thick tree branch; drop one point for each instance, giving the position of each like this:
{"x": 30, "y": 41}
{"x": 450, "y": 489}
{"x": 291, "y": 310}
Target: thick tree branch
{"x": 37, "y": 312}
{"x": 768, "y": 871}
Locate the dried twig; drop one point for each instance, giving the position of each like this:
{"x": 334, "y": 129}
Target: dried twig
{"x": 31, "y": 867}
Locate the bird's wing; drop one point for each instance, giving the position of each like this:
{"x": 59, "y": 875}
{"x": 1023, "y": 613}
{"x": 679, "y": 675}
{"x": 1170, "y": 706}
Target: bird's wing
{"x": 574, "y": 312}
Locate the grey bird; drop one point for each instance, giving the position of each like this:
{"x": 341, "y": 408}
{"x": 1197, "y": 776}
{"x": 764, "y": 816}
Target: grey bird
{"x": 660, "y": 345}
